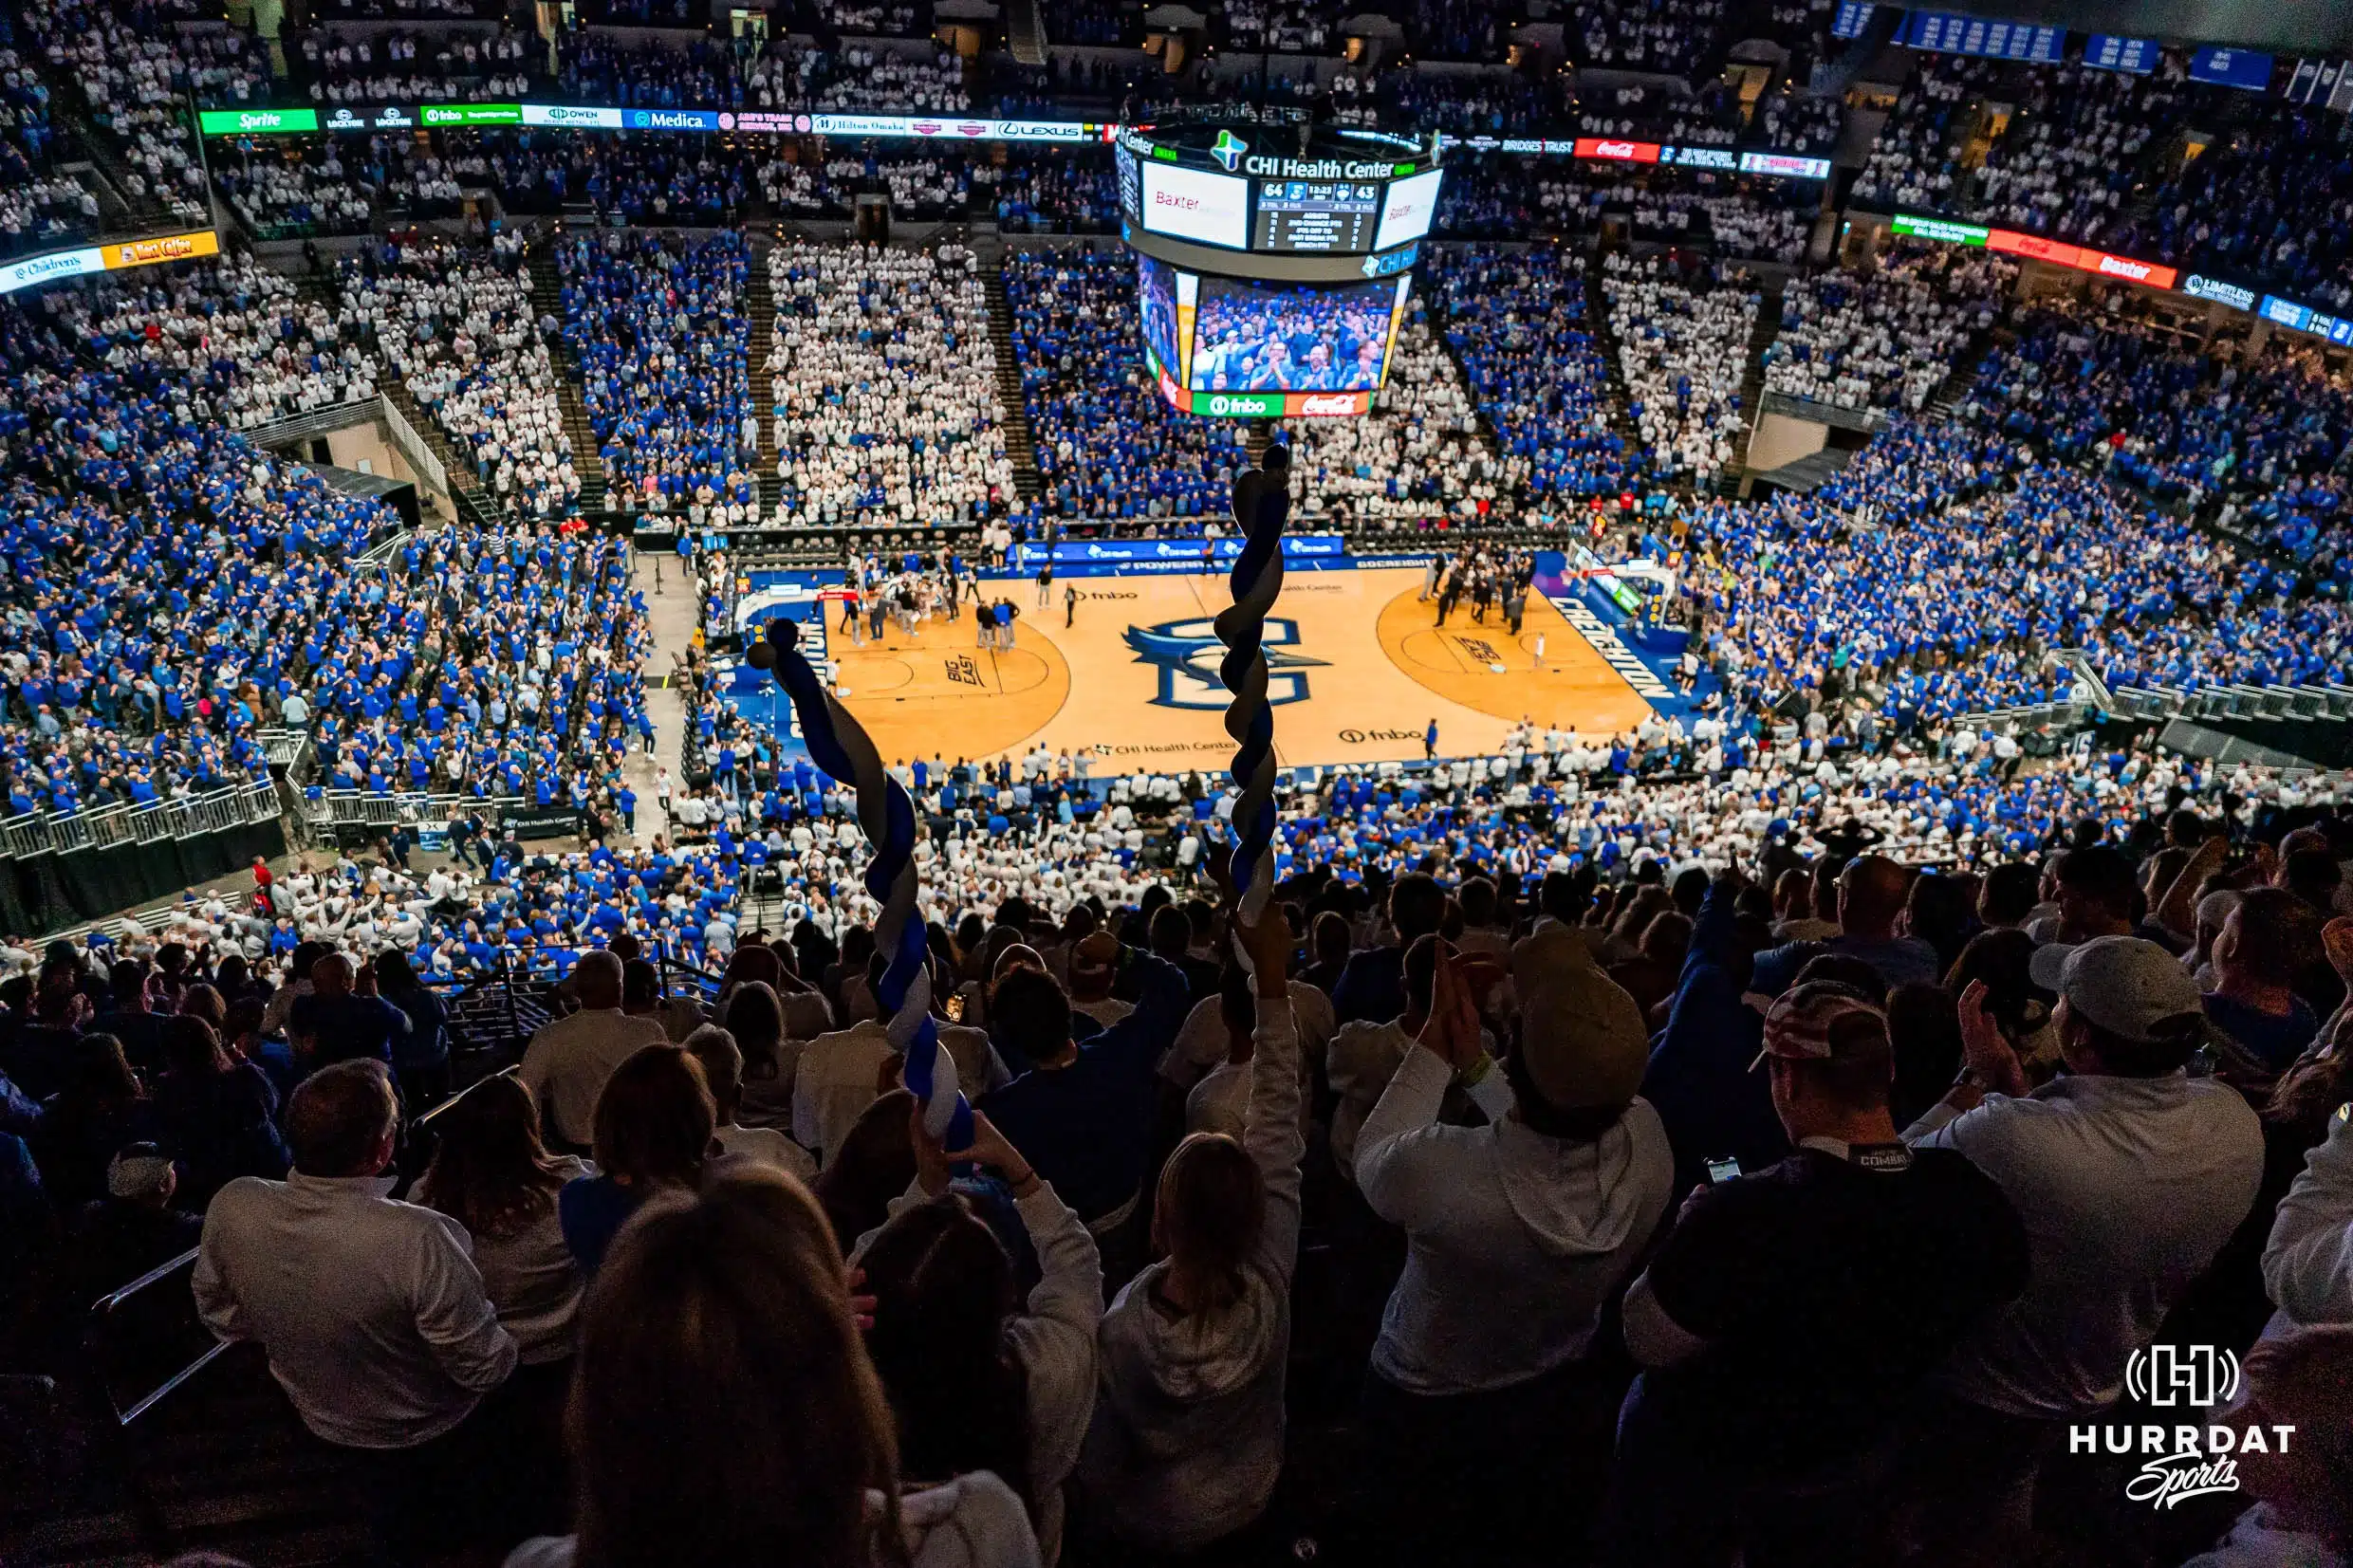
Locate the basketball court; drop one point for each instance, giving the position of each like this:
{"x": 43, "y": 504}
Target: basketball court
{"x": 1357, "y": 669}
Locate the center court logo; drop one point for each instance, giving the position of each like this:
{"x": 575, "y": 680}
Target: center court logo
{"x": 2183, "y": 1460}
{"x": 1187, "y": 652}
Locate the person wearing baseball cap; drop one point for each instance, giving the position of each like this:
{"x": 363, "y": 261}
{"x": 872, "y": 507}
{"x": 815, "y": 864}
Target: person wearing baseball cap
{"x": 2129, "y": 1173}
{"x": 115, "y": 1239}
{"x": 1516, "y": 1233}
{"x": 1792, "y": 1313}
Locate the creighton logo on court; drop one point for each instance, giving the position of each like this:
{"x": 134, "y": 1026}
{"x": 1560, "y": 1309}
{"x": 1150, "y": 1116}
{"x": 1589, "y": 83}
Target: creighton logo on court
{"x": 1187, "y": 653}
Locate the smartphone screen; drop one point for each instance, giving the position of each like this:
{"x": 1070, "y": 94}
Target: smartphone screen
{"x": 1723, "y": 1170}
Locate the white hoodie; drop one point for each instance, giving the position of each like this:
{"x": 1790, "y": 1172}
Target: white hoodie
{"x": 972, "y": 1522}
{"x": 1187, "y": 1439}
{"x": 1515, "y": 1238}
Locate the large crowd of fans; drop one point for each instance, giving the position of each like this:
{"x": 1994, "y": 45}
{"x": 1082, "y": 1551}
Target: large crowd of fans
{"x": 1417, "y": 456}
{"x": 233, "y": 344}
{"x": 1107, "y": 445}
{"x": 458, "y": 329}
{"x": 1517, "y": 321}
{"x": 884, "y": 387}
{"x": 1937, "y": 967}
{"x": 1682, "y": 349}
{"x": 657, "y": 328}
{"x": 1888, "y": 337}
{"x": 1758, "y": 1135}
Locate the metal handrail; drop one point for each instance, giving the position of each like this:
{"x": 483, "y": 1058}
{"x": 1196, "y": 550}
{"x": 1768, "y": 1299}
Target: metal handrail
{"x": 429, "y": 1117}
{"x": 102, "y": 1310}
{"x": 148, "y": 822}
{"x": 368, "y": 808}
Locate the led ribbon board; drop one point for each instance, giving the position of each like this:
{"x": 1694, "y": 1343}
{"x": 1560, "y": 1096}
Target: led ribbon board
{"x": 110, "y": 256}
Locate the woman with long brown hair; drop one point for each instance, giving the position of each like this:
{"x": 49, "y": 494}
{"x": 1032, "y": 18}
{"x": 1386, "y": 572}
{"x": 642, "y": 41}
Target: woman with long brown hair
{"x": 754, "y": 1017}
{"x": 981, "y": 1379}
{"x": 217, "y": 1113}
{"x": 725, "y": 1412}
{"x": 491, "y": 1174}
{"x": 102, "y": 1107}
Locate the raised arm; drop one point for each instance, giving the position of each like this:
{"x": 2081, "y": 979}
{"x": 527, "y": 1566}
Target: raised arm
{"x": 2307, "y": 1264}
{"x": 1384, "y": 1150}
{"x": 1271, "y": 1133}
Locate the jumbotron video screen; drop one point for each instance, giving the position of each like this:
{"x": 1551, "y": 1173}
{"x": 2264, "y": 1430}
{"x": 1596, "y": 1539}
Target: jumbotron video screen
{"x": 1231, "y": 347}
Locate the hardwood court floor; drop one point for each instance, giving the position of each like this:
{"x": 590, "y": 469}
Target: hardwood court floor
{"x": 1357, "y": 669}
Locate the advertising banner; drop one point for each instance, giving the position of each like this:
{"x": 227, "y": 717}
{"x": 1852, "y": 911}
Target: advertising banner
{"x": 1786, "y": 165}
{"x": 1131, "y": 552}
{"x": 571, "y": 115}
{"x": 258, "y": 122}
{"x": 473, "y": 114}
{"x": 112, "y": 256}
{"x": 1617, "y": 151}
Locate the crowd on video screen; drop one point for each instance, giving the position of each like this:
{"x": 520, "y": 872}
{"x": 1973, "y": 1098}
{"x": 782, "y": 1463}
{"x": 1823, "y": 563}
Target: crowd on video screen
{"x": 1251, "y": 337}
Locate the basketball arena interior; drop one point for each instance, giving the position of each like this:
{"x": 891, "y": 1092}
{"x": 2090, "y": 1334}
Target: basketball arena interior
{"x": 986, "y": 783}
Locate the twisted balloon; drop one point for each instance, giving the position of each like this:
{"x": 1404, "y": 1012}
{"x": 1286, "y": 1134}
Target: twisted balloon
{"x": 1262, "y": 500}
{"x": 840, "y": 745}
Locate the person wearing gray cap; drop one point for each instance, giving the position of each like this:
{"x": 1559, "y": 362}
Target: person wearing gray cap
{"x": 115, "y": 1239}
{"x": 2130, "y": 1175}
{"x": 1516, "y": 1233}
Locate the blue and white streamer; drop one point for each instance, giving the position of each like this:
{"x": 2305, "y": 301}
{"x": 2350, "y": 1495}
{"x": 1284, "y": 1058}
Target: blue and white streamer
{"x": 838, "y": 743}
{"x": 1262, "y": 500}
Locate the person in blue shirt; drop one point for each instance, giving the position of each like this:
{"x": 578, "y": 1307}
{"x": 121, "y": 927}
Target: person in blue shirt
{"x": 1083, "y": 1114}
{"x": 344, "y": 1019}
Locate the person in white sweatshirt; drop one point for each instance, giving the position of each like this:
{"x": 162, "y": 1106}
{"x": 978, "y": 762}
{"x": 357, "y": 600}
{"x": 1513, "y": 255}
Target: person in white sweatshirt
{"x": 1187, "y": 1439}
{"x": 1517, "y": 1232}
{"x": 2307, "y": 1264}
{"x": 978, "y": 1379}
{"x": 726, "y": 1411}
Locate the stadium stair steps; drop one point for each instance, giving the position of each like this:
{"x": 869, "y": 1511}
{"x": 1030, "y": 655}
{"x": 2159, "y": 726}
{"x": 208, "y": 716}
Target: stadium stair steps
{"x": 476, "y": 507}
{"x": 2158, "y": 162}
{"x": 222, "y": 1464}
{"x": 1753, "y": 383}
{"x": 1945, "y": 401}
{"x": 760, "y": 309}
{"x": 1617, "y": 409}
{"x": 547, "y": 300}
{"x": 139, "y": 211}
{"x": 1440, "y": 319}
{"x": 1025, "y": 30}
{"x": 1020, "y": 444}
